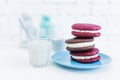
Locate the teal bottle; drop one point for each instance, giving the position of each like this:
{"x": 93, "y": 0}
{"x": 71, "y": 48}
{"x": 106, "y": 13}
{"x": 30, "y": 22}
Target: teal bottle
{"x": 47, "y": 27}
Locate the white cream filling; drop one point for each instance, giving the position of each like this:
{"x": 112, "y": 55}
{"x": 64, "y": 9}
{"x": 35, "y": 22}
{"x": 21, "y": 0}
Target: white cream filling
{"x": 85, "y": 57}
{"x": 78, "y": 45}
{"x": 89, "y": 31}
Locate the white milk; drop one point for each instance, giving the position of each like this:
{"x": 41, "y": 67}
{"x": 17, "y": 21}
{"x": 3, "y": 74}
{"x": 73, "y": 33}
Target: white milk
{"x": 39, "y": 52}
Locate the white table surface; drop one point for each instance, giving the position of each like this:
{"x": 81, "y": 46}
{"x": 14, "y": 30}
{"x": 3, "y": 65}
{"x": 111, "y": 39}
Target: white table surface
{"x": 14, "y": 63}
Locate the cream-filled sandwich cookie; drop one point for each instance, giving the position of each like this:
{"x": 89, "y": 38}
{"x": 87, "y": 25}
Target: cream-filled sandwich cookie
{"x": 86, "y": 56}
{"x": 80, "y": 44}
{"x": 86, "y": 30}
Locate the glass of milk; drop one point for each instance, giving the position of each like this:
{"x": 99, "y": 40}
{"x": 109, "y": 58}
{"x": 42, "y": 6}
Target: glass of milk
{"x": 39, "y": 52}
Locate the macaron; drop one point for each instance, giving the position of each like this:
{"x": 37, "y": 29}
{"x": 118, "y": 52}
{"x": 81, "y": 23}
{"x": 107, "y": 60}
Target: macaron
{"x": 91, "y": 52}
{"x": 80, "y": 44}
{"x": 86, "y": 30}
{"x": 86, "y": 56}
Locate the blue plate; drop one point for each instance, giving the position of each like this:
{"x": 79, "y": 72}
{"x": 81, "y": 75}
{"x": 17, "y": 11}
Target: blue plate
{"x": 63, "y": 58}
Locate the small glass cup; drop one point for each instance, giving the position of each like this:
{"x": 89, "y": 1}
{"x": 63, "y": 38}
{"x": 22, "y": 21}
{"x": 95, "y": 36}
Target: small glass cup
{"x": 58, "y": 45}
{"x": 39, "y": 52}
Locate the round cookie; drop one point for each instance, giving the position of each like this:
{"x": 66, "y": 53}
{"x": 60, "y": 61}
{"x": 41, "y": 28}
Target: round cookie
{"x": 80, "y": 44}
{"x": 80, "y": 48}
{"x": 86, "y": 30}
{"x": 91, "y": 52}
{"x": 86, "y": 56}
{"x": 79, "y": 39}
{"x": 86, "y": 26}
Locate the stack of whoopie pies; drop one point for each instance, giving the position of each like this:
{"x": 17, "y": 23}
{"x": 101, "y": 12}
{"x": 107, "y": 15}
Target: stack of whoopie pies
{"x": 82, "y": 47}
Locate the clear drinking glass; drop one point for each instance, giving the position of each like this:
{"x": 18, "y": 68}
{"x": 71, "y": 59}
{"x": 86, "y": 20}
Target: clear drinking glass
{"x": 39, "y": 52}
{"x": 27, "y": 30}
{"x": 58, "y": 45}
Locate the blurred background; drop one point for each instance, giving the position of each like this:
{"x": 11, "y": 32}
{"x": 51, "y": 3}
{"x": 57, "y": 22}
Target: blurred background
{"x": 62, "y": 13}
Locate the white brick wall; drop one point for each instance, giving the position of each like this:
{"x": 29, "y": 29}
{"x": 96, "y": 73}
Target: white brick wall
{"x": 63, "y": 13}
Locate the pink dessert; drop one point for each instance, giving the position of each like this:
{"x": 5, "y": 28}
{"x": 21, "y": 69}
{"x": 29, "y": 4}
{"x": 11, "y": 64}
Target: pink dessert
{"x": 86, "y": 30}
{"x": 86, "y": 56}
